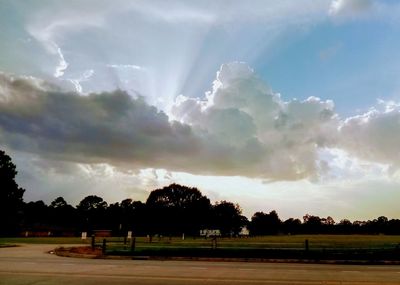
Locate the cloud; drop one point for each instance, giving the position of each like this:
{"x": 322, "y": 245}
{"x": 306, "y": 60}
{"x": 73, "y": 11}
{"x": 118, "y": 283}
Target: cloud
{"x": 93, "y": 128}
{"x": 161, "y": 36}
{"x": 277, "y": 139}
{"x": 84, "y": 77}
{"x": 375, "y": 135}
{"x": 62, "y": 65}
{"x": 129, "y": 66}
{"x": 241, "y": 128}
{"x": 47, "y": 179}
{"x": 349, "y": 8}
{"x": 380, "y": 10}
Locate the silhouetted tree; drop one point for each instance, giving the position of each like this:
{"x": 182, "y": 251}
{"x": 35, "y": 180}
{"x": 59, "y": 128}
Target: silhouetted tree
{"x": 312, "y": 224}
{"x": 377, "y": 226}
{"x": 133, "y": 216}
{"x": 36, "y": 215}
{"x": 393, "y": 227}
{"x": 63, "y": 216}
{"x": 265, "y": 224}
{"x": 344, "y": 227}
{"x": 11, "y": 194}
{"x": 92, "y": 210}
{"x": 359, "y": 227}
{"x": 292, "y": 226}
{"x": 113, "y": 219}
{"x": 58, "y": 203}
{"x": 227, "y": 217}
{"x": 328, "y": 225}
{"x": 177, "y": 209}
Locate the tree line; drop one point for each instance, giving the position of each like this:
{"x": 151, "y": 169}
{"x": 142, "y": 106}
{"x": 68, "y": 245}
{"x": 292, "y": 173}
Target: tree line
{"x": 169, "y": 211}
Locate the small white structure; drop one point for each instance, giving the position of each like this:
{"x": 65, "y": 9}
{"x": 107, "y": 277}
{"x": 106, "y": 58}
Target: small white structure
{"x": 244, "y": 232}
{"x": 208, "y": 233}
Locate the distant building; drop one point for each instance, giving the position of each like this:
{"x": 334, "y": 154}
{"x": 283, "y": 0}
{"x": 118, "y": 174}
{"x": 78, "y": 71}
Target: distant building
{"x": 244, "y": 232}
{"x": 210, "y": 233}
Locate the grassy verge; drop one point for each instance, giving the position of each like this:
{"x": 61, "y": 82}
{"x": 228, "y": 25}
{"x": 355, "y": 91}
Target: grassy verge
{"x": 42, "y": 240}
{"x": 321, "y": 247}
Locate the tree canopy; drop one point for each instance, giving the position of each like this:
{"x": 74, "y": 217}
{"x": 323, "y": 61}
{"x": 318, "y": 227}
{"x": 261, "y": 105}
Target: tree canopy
{"x": 177, "y": 209}
{"x": 11, "y": 196}
{"x": 171, "y": 210}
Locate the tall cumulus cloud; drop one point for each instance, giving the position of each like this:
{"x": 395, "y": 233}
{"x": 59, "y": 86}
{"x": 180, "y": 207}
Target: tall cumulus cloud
{"x": 241, "y": 127}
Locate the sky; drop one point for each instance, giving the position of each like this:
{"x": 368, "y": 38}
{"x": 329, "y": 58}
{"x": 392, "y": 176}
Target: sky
{"x": 291, "y": 106}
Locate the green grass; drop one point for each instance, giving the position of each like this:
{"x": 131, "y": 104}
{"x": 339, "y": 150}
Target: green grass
{"x": 341, "y": 247}
{"x": 294, "y": 241}
{"x": 344, "y": 247}
{"x": 266, "y": 242}
{"x": 42, "y": 240}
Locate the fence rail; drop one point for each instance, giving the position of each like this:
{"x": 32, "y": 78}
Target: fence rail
{"x": 252, "y": 247}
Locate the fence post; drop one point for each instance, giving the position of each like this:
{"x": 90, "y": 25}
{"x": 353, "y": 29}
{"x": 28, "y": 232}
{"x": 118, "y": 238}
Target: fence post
{"x": 133, "y": 241}
{"x": 104, "y": 246}
{"x": 306, "y": 245}
{"x": 93, "y": 241}
{"x": 214, "y": 242}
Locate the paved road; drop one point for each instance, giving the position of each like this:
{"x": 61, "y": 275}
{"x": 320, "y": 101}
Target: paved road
{"x": 30, "y": 264}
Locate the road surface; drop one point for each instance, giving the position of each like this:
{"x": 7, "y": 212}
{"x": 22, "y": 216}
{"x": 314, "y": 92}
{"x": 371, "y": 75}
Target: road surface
{"x": 31, "y": 264}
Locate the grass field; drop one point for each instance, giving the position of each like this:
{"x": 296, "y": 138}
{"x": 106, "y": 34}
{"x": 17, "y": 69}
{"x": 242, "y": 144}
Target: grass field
{"x": 346, "y": 247}
{"x": 275, "y": 242}
{"x": 42, "y": 240}
{"x": 272, "y": 242}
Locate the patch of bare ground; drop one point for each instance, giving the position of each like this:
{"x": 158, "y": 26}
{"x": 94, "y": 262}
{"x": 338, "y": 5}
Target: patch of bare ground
{"x": 81, "y": 251}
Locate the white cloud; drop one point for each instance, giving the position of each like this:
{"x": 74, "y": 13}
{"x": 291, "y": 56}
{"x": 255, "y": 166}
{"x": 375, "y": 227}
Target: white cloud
{"x": 349, "y": 8}
{"x": 278, "y": 139}
{"x": 130, "y": 66}
{"x": 375, "y": 135}
{"x": 169, "y": 38}
{"x": 84, "y": 77}
{"x": 46, "y": 179}
{"x": 241, "y": 128}
{"x": 62, "y": 65}
{"x": 381, "y": 10}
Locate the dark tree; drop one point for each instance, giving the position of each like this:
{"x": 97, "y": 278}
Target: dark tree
{"x": 177, "y": 209}
{"x": 133, "y": 216}
{"x": 11, "y": 194}
{"x": 377, "y": 226}
{"x": 292, "y": 226}
{"x": 328, "y": 225}
{"x": 227, "y": 217}
{"x": 63, "y": 216}
{"x": 92, "y": 210}
{"x": 312, "y": 224}
{"x": 344, "y": 227}
{"x": 393, "y": 227}
{"x": 59, "y": 203}
{"x": 113, "y": 218}
{"x": 265, "y": 224}
{"x": 36, "y": 216}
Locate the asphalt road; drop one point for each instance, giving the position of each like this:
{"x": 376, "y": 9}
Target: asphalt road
{"x": 31, "y": 264}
